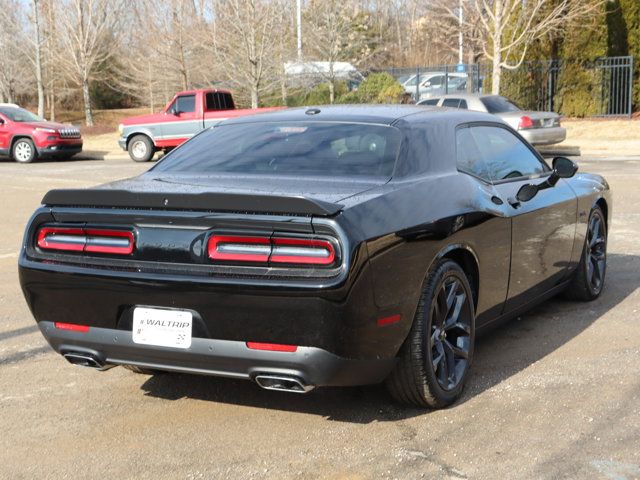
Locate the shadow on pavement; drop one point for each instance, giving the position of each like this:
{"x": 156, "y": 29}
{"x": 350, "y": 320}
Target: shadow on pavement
{"x": 500, "y": 354}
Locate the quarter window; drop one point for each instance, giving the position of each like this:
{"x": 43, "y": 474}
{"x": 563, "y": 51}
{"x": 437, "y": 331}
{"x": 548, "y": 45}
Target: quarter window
{"x": 469, "y": 158}
{"x": 505, "y": 155}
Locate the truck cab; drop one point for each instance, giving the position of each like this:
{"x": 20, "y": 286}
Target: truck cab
{"x": 184, "y": 116}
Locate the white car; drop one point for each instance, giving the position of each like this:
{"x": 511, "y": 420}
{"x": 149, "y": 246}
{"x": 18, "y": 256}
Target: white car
{"x": 434, "y": 83}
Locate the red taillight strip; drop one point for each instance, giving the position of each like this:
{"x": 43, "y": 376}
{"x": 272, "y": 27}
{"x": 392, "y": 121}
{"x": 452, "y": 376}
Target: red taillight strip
{"x": 242, "y": 249}
{"x": 302, "y": 251}
{"x": 271, "y": 347}
{"x": 72, "y": 326}
{"x": 91, "y": 240}
{"x": 70, "y": 239}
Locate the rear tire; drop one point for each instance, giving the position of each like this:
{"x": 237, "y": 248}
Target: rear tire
{"x": 141, "y": 148}
{"x": 24, "y": 151}
{"x": 588, "y": 279}
{"x": 434, "y": 360}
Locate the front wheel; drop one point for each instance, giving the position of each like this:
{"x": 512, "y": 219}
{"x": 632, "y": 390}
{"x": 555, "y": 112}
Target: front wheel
{"x": 434, "y": 361}
{"x": 588, "y": 279}
{"x": 141, "y": 148}
{"x": 24, "y": 151}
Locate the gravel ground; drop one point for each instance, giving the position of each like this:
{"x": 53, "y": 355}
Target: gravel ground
{"x": 554, "y": 394}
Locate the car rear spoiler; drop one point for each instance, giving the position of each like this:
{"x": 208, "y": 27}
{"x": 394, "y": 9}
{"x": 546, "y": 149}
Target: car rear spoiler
{"x": 227, "y": 202}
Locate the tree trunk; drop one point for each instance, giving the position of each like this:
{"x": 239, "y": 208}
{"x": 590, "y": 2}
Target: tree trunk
{"x": 332, "y": 91}
{"x": 255, "y": 96}
{"x": 497, "y": 47}
{"x": 88, "y": 115}
{"x": 38, "y": 42}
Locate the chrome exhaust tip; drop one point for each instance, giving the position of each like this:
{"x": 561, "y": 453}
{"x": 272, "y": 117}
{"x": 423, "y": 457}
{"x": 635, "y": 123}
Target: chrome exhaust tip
{"x": 84, "y": 360}
{"x": 282, "y": 383}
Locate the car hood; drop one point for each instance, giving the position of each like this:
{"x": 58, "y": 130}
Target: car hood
{"x": 52, "y": 125}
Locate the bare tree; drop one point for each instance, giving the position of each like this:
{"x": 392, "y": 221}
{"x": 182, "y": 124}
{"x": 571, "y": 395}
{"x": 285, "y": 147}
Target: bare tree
{"x": 37, "y": 41}
{"x": 88, "y": 35}
{"x": 243, "y": 34}
{"x": 331, "y": 37}
{"x": 509, "y": 27}
{"x": 15, "y": 74}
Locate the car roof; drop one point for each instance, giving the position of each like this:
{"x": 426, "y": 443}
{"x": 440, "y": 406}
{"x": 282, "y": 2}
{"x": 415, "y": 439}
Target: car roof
{"x": 374, "y": 114}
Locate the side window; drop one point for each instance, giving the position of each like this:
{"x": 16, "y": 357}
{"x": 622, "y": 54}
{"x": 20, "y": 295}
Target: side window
{"x": 506, "y": 156}
{"x": 431, "y": 101}
{"x": 184, "y": 104}
{"x": 463, "y": 105}
{"x": 218, "y": 101}
{"x": 468, "y": 157}
{"x": 436, "y": 81}
{"x": 451, "y": 102}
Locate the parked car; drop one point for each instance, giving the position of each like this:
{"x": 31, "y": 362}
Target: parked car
{"x": 25, "y": 137}
{"x": 337, "y": 245}
{"x": 185, "y": 115}
{"x": 434, "y": 83}
{"x": 538, "y": 128}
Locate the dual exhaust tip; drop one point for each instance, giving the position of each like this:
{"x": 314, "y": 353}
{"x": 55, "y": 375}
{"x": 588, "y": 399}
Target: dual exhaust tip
{"x": 281, "y": 383}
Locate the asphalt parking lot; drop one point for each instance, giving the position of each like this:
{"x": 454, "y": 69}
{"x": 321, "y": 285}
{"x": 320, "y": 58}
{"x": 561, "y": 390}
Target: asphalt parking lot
{"x": 554, "y": 394}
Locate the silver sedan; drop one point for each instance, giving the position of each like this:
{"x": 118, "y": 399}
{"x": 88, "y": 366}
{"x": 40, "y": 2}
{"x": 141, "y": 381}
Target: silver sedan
{"x": 538, "y": 128}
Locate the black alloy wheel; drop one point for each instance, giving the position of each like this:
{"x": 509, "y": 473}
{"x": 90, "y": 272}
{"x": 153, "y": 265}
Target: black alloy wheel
{"x": 450, "y": 339}
{"x": 588, "y": 279}
{"x": 434, "y": 361}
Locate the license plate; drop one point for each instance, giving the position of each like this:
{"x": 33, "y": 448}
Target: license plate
{"x": 162, "y": 328}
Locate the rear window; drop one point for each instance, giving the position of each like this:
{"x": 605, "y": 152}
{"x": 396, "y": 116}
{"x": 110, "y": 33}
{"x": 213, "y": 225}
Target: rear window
{"x": 218, "y": 101}
{"x": 497, "y": 104}
{"x": 295, "y": 148}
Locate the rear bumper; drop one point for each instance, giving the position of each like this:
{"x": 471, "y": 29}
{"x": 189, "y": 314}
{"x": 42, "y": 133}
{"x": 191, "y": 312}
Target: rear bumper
{"x": 223, "y": 358}
{"x": 122, "y": 142}
{"x": 544, "y": 136}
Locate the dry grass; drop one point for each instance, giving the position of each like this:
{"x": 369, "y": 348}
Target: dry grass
{"x": 601, "y": 137}
{"x": 104, "y": 120}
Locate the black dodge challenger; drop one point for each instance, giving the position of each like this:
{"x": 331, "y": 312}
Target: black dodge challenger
{"x": 317, "y": 246}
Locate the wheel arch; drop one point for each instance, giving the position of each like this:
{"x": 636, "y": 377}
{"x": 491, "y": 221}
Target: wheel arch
{"x": 464, "y": 256}
{"x": 145, "y": 133}
{"x": 604, "y": 206}
{"x": 17, "y": 137}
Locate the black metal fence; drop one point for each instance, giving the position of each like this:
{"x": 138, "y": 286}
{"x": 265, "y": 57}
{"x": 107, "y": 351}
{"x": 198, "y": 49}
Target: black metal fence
{"x": 600, "y": 88}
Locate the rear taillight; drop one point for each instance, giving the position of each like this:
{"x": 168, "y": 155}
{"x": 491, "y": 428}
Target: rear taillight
{"x": 89, "y": 240}
{"x": 302, "y": 251}
{"x": 279, "y": 250}
{"x": 525, "y": 122}
{"x": 241, "y": 249}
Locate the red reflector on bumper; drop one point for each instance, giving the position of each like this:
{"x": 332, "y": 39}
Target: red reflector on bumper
{"x": 72, "y": 326}
{"x": 388, "y": 320}
{"x": 272, "y": 347}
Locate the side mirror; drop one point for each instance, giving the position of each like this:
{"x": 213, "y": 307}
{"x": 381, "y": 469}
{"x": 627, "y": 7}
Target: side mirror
{"x": 173, "y": 111}
{"x": 527, "y": 192}
{"x": 564, "y": 168}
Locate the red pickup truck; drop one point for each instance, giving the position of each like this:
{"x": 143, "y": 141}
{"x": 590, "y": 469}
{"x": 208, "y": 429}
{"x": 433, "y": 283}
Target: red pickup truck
{"x": 187, "y": 114}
